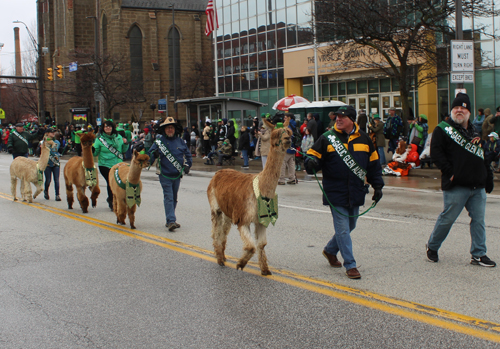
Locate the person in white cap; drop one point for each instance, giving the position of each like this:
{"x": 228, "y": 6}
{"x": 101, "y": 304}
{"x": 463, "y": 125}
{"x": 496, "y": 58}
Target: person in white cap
{"x": 492, "y": 149}
{"x": 174, "y": 160}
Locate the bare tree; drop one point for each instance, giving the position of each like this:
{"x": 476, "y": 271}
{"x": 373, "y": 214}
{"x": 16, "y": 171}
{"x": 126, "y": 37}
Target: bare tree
{"x": 400, "y": 38}
{"x": 199, "y": 82}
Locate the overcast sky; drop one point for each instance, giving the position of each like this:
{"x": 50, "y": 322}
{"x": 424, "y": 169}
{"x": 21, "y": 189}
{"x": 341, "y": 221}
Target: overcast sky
{"x": 12, "y": 10}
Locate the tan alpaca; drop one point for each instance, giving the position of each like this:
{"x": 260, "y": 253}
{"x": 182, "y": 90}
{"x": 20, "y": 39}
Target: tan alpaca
{"x": 232, "y": 201}
{"x": 27, "y": 172}
{"x": 74, "y": 174}
{"x": 132, "y": 175}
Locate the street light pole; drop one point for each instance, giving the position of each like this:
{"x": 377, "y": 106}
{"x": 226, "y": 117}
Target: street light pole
{"x": 41, "y": 106}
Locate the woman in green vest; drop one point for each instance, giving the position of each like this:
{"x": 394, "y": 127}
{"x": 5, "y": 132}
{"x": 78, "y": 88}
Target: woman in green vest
{"x": 109, "y": 147}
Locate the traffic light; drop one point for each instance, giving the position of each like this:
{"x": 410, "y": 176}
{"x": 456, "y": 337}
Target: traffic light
{"x": 60, "y": 71}
{"x": 50, "y": 74}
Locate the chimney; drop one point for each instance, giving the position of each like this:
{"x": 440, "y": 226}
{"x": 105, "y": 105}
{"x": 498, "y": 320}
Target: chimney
{"x": 17, "y": 43}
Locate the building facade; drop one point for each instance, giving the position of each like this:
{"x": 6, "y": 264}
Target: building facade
{"x": 129, "y": 55}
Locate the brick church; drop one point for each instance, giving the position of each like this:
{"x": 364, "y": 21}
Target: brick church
{"x": 128, "y": 55}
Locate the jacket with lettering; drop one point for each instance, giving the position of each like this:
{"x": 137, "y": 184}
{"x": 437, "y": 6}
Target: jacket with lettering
{"x": 177, "y": 147}
{"x": 341, "y": 185}
{"x": 467, "y": 169}
{"x": 17, "y": 144}
{"x": 106, "y": 157}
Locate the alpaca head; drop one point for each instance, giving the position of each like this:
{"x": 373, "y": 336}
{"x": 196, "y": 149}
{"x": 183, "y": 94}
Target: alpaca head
{"x": 87, "y": 139}
{"x": 49, "y": 144}
{"x": 281, "y": 138}
{"x": 142, "y": 160}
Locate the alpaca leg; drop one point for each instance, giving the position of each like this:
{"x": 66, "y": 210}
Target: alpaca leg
{"x": 218, "y": 236}
{"x": 82, "y": 199}
{"x": 131, "y": 215}
{"x": 248, "y": 246}
{"x": 69, "y": 196}
{"x": 13, "y": 186}
{"x": 95, "y": 193}
{"x": 39, "y": 189}
{"x": 261, "y": 240}
{"x": 121, "y": 210}
{"x": 27, "y": 191}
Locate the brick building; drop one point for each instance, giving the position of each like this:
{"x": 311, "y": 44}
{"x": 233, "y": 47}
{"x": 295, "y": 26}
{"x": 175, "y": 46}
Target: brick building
{"x": 129, "y": 55}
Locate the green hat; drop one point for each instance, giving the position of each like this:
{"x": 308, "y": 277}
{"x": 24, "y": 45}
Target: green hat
{"x": 423, "y": 116}
{"x": 375, "y": 116}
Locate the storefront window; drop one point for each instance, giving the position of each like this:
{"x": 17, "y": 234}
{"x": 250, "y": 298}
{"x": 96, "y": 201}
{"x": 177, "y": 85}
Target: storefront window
{"x": 341, "y": 88}
{"x": 351, "y": 87}
{"x": 397, "y": 101}
{"x": 395, "y": 85}
{"x": 362, "y": 86}
{"x": 373, "y": 86}
{"x": 325, "y": 91}
{"x": 385, "y": 85}
{"x": 333, "y": 89}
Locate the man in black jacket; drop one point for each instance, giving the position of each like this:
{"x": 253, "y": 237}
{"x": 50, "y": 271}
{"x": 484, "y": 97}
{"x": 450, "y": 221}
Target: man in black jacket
{"x": 465, "y": 179}
{"x": 347, "y": 158}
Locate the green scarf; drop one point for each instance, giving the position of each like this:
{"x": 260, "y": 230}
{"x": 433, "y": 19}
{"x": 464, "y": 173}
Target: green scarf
{"x": 132, "y": 191}
{"x": 267, "y": 208}
{"x": 39, "y": 176}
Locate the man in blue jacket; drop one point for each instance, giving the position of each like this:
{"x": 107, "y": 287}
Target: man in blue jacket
{"x": 174, "y": 159}
{"x": 348, "y": 159}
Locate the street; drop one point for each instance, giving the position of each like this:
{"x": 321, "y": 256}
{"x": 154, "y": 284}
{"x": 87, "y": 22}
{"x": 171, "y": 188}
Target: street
{"x": 74, "y": 280}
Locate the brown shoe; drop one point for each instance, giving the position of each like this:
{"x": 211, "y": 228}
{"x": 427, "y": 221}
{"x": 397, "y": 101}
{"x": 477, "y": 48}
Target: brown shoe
{"x": 172, "y": 226}
{"x": 334, "y": 262}
{"x": 353, "y": 273}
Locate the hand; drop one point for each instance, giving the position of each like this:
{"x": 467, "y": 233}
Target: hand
{"x": 139, "y": 146}
{"x": 489, "y": 186}
{"x": 156, "y": 153}
{"x": 186, "y": 169}
{"x": 377, "y": 194}
{"x": 311, "y": 164}
{"x": 10, "y": 150}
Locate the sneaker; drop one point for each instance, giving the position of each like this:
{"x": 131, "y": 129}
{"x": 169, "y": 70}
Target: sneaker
{"x": 291, "y": 182}
{"x": 172, "y": 226}
{"x": 204, "y": 158}
{"x": 483, "y": 261}
{"x": 281, "y": 183}
{"x": 353, "y": 273}
{"x": 58, "y": 198}
{"x": 432, "y": 255}
{"x": 46, "y": 194}
{"x": 334, "y": 262}
{"x": 245, "y": 167}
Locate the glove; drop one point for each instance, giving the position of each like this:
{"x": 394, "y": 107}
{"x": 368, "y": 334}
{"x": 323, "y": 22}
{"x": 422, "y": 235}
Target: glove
{"x": 139, "y": 146}
{"x": 489, "y": 186}
{"x": 377, "y": 194}
{"x": 311, "y": 164}
{"x": 10, "y": 150}
{"x": 186, "y": 169}
{"x": 156, "y": 154}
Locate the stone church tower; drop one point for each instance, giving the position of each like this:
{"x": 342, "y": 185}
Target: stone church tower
{"x": 129, "y": 54}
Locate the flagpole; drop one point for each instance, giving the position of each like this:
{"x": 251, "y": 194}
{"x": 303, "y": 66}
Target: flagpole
{"x": 214, "y": 33}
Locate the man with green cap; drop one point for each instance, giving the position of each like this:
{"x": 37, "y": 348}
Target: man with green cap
{"x": 418, "y": 132}
{"x": 18, "y": 143}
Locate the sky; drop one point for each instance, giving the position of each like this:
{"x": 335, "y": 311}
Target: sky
{"x": 12, "y": 10}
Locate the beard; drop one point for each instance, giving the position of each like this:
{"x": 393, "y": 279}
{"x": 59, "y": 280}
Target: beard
{"x": 460, "y": 117}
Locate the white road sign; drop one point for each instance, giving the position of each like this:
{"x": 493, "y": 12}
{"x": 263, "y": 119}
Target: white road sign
{"x": 462, "y": 56}
{"x": 466, "y": 78}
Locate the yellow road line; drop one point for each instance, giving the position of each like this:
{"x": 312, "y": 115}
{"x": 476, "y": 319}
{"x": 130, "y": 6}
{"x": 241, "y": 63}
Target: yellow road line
{"x": 415, "y": 311}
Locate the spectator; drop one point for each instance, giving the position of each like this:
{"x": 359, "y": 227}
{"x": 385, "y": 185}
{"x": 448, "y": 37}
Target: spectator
{"x": 377, "y": 128}
{"x": 265, "y": 143}
{"x": 206, "y": 137}
{"x": 53, "y": 166}
{"x": 312, "y": 126}
{"x": 289, "y": 161}
{"x": 362, "y": 120}
{"x": 225, "y": 150}
{"x": 303, "y": 127}
{"x": 488, "y": 124}
{"x": 393, "y": 129}
{"x": 478, "y": 121}
{"x": 492, "y": 150}
{"x": 418, "y": 132}
{"x": 332, "y": 117}
{"x": 244, "y": 146}
{"x": 18, "y": 142}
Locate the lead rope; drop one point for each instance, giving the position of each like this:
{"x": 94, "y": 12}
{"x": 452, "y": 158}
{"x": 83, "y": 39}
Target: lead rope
{"x": 324, "y": 194}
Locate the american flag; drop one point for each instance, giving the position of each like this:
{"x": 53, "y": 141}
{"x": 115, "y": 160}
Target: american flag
{"x": 212, "y": 20}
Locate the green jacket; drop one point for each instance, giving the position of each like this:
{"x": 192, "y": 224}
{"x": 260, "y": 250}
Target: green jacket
{"x": 18, "y": 145}
{"x": 78, "y": 134}
{"x": 107, "y": 158}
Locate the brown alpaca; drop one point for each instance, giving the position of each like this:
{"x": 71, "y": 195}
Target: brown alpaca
{"x": 74, "y": 174}
{"x": 26, "y": 170}
{"x": 132, "y": 174}
{"x": 232, "y": 201}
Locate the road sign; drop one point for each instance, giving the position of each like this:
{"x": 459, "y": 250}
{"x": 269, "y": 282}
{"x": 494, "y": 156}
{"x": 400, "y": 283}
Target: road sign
{"x": 162, "y": 105}
{"x": 462, "y": 56}
{"x": 464, "y": 78}
{"x": 73, "y": 66}
{"x": 2, "y": 113}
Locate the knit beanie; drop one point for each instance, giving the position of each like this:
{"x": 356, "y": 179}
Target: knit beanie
{"x": 461, "y": 100}
{"x": 348, "y": 111}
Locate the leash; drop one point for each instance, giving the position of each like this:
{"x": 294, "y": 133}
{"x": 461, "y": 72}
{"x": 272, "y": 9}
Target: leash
{"x": 324, "y": 194}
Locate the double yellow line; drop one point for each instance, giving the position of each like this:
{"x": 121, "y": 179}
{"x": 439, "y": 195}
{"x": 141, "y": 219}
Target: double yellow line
{"x": 414, "y": 311}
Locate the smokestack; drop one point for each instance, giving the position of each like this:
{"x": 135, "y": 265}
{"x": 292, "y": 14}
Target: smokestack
{"x": 17, "y": 42}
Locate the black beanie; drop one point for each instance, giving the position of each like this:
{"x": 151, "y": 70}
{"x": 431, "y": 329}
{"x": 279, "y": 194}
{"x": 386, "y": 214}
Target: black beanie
{"x": 461, "y": 100}
{"x": 348, "y": 111}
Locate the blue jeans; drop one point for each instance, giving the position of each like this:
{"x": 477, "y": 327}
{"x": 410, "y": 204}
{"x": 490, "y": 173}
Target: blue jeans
{"x": 341, "y": 241}
{"x": 381, "y": 155}
{"x": 455, "y": 199}
{"x": 245, "y": 157}
{"x": 52, "y": 171}
{"x": 170, "y": 189}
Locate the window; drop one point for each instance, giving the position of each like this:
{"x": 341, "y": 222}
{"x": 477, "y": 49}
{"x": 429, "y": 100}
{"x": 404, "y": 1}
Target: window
{"x": 174, "y": 60}
{"x": 136, "y": 77}
{"x": 104, "y": 35}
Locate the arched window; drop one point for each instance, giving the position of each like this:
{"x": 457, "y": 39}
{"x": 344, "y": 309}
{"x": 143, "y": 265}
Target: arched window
{"x": 136, "y": 77}
{"x": 174, "y": 60}
{"x": 104, "y": 32}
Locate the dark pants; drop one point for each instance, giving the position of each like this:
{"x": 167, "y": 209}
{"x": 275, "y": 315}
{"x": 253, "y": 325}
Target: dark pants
{"x": 15, "y": 155}
{"x": 206, "y": 146}
{"x": 105, "y": 173}
{"x": 49, "y": 172}
{"x": 393, "y": 144}
{"x": 78, "y": 148}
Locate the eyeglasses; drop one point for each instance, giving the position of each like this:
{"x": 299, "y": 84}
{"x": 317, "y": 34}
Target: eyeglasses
{"x": 108, "y": 126}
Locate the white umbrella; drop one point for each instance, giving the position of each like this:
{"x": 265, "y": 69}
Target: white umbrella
{"x": 286, "y": 102}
